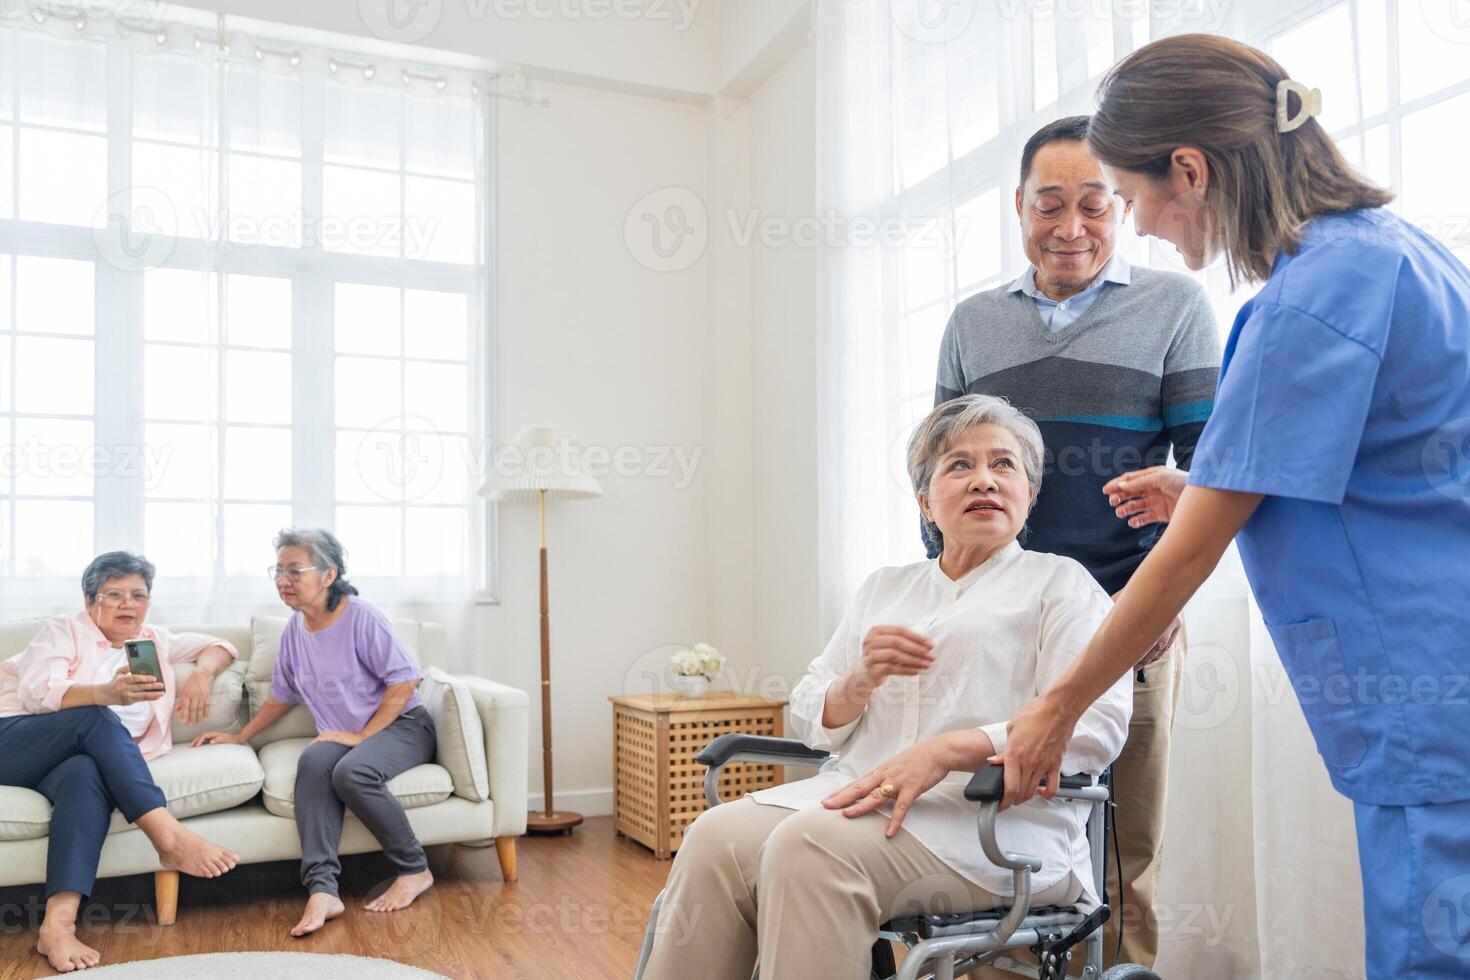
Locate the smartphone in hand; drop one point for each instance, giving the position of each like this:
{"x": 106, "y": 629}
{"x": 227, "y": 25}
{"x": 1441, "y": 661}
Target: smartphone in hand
{"x": 143, "y": 658}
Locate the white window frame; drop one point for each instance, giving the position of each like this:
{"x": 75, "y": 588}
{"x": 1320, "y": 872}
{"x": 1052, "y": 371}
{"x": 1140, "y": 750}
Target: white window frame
{"x": 118, "y": 501}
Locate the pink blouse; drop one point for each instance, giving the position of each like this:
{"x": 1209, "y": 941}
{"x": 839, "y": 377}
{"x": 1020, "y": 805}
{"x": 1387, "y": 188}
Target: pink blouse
{"x": 70, "y": 649}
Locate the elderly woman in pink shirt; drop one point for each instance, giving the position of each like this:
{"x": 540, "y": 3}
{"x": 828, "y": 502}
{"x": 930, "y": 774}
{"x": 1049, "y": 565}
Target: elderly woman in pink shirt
{"x": 87, "y": 725}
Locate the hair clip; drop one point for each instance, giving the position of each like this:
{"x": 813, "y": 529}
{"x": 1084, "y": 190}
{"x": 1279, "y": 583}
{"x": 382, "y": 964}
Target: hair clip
{"x": 1311, "y": 104}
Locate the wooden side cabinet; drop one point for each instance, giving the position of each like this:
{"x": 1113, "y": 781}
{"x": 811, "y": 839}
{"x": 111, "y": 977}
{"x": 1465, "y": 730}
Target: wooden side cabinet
{"x": 658, "y": 788}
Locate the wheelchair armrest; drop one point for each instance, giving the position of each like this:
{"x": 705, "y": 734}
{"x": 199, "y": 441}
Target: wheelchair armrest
{"x": 735, "y": 747}
{"x": 988, "y": 785}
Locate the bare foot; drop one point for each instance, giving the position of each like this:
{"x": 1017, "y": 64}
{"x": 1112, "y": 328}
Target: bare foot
{"x": 186, "y": 851}
{"x": 65, "y": 951}
{"x": 320, "y": 907}
{"x": 401, "y": 893}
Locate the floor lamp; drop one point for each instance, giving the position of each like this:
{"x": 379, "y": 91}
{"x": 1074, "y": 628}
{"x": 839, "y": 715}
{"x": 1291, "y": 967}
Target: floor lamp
{"x": 535, "y": 470}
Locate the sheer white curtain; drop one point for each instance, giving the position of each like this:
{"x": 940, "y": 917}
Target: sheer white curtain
{"x": 923, "y": 109}
{"x": 243, "y": 284}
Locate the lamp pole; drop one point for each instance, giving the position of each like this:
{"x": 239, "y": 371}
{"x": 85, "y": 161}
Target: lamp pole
{"x": 549, "y": 821}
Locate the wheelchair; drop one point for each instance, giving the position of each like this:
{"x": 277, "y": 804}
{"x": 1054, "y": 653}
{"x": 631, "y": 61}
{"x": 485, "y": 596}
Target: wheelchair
{"x": 943, "y": 945}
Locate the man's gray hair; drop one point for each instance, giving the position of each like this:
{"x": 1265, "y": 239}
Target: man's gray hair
{"x": 937, "y": 433}
{"x": 114, "y": 564}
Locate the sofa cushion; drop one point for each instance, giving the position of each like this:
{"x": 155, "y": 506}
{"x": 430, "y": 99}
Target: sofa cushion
{"x": 237, "y": 634}
{"x": 223, "y": 714}
{"x": 422, "y": 785}
{"x": 265, "y": 646}
{"x": 203, "y": 780}
{"x": 194, "y": 782}
{"x": 223, "y": 717}
{"x": 16, "y": 636}
{"x": 461, "y": 735}
{"x": 24, "y": 814}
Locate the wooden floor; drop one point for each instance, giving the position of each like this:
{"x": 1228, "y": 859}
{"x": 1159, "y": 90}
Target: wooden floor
{"x": 578, "y": 910}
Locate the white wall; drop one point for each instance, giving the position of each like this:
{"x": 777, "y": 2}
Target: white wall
{"x": 756, "y": 39}
{"x": 783, "y": 331}
{"x": 763, "y": 557}
{"x": 671, "y": 45}
{"x": 614, "y": 354}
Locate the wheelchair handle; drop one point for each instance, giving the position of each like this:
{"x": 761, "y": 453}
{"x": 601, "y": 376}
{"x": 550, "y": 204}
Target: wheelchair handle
{"x": 988, "y": 784}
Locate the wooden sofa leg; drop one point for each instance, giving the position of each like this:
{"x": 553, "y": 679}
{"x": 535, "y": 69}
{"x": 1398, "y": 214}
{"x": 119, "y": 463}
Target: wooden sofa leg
{"x": 505, "y": 848}
{"x": 166, "y": 896}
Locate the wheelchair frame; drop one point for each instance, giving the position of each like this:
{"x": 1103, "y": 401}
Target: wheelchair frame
{"x": 959, "y": 943}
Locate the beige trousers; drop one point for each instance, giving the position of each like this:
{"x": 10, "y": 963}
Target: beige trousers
{"x": 804, "y": 889}
{"x": 1140, "y": 784}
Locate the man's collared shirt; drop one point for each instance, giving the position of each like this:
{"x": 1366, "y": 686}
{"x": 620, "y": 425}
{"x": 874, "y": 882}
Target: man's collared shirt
{"x": 1058, "y": 316}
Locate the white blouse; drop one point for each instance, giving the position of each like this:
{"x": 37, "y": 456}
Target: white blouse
{"x": 1002, "y": 634}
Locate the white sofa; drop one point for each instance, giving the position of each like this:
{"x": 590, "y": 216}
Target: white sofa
{"x": 241, "y": 795}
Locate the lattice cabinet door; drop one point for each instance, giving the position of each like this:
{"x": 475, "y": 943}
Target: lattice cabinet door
{"x": 658, "y": 788}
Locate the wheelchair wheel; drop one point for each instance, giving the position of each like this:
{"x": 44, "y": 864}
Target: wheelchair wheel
{"x": 1130, "y": 971}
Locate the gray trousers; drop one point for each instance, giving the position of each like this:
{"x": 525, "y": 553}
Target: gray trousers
{"x": 331, "y": 777}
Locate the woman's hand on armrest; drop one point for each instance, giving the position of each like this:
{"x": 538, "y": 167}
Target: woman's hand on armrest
{"x": 911, "y": 774}
{"x": 887, "y": 651}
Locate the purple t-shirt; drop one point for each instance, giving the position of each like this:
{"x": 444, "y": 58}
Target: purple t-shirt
{"x": 342, "y": 672}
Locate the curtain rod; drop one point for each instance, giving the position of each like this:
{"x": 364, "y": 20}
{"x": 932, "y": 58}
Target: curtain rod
{"x": 410, "y": 71}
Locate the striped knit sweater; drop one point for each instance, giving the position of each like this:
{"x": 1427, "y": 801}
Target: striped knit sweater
{"x": 1113, "y": 392}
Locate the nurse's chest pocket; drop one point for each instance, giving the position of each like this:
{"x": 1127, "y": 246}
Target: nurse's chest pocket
{"x": 1324, "y": 688}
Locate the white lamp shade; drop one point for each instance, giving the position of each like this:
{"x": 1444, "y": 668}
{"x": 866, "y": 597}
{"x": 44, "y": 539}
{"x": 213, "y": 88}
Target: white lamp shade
{"x": 539, "y": 460}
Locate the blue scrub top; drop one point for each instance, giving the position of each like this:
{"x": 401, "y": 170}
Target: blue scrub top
{"x": 1344, "y": 397}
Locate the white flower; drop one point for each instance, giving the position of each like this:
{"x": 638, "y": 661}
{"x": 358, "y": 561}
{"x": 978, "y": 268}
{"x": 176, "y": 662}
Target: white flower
{"x": 700, "y": 660}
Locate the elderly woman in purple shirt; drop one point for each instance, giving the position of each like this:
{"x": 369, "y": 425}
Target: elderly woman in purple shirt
{"x": 340, "y": 657}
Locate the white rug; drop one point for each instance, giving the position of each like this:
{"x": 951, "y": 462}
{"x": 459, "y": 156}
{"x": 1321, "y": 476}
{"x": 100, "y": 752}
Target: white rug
{"x": 261, "y": 966}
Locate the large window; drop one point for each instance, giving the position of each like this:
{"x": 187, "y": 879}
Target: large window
{"x": 962, "y": 106}
{"x": 1398, "y": 106}
{"x": 243, "y": 284}
{"x": 1396, "y": 88}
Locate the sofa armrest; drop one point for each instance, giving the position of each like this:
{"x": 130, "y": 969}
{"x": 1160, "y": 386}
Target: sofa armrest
{"x": 505, "y": 715}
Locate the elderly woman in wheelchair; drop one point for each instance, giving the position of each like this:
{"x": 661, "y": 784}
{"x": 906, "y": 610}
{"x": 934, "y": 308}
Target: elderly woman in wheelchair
{"x": 910, "y": 697}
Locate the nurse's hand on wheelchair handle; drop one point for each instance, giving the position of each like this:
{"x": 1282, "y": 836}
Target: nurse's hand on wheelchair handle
{"x": 1036, "y": 738}
{"x": 1146, "y": 496}
{"x": 910, "y": 774}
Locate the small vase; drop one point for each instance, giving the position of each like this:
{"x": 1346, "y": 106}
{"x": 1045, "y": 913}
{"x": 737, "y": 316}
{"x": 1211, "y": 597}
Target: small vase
{"x": 691, "y": 687}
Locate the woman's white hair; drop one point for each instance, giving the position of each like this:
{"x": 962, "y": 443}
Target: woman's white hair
{"x": 937, "y": 433}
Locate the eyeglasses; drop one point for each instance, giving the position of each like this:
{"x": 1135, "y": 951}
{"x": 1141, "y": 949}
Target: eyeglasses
{"x": 115, "y": 597}
{"x": 275, "y": 572}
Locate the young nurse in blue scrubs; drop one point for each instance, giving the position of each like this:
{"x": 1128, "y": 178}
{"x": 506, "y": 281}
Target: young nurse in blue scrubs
{"x": 1337, "y": 456}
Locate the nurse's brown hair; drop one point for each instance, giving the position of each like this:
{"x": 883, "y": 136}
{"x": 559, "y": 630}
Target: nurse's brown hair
{"x": 1219, "y": 96}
